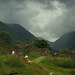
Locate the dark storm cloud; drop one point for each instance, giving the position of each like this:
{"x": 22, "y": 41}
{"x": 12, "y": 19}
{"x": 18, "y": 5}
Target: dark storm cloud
{"x": 69, "y": 3}
{"x": 44, "y": 18}
{"x": 11, "y": 11}
{"x": 6, "y": 1}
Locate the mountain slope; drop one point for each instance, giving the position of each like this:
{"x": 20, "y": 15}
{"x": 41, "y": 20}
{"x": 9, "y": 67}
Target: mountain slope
{"x": 17, "y": 32}
{"x": 22, "y": 32}
{"x": 67, "y": 41}
{"x": 5, "y": 28}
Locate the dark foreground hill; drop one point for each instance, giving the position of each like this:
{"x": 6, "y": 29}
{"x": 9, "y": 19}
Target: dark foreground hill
{"x": 67, "y": 41}
{"x": 17, "y": 32}
{"x": 5, "y": 28}
{"x": 22, "y": 32}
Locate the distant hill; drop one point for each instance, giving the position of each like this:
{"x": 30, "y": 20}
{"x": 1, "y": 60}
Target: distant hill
{"x": 40, "y": 38}
{"x": 24, "y": 34}
{"x": 67, "y": 41}
{"x": 17, "y": 32}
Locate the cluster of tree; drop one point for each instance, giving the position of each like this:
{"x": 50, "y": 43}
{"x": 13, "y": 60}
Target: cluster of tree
{"x": 19, "y": 42}
{"x": 42, "y": 44}
{"x": 64, "y": 50}
{"x": 5, "y": 37}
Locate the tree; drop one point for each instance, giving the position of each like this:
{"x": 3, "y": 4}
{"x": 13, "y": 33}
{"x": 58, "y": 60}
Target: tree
{"x": 19, "y": 42}
{"x": 5, "y": 37}
{"x": 64, "y": 50}
{"x": 42, "y": 44}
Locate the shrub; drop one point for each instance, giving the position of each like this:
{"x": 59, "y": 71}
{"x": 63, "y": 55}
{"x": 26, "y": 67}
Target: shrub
{"x": 19, "y": 42}
{"x": 42, "y": 44}
{"x": 4, "y": 36}
{"x": 64, "y": 50}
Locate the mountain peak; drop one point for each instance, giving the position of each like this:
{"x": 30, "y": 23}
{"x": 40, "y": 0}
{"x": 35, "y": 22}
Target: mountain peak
{"x": 66, "y": 41}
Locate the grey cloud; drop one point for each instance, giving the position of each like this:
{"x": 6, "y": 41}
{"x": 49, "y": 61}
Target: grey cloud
{"x": 6, "y": 1}
{"x": 22, "y": 12}
{"x": 63, "y": 24}
{"x": 69, "y": 3}
{"x": 16, "y": 11}
{"x": 9, "y": 8}
{"x": 47, "y": 3}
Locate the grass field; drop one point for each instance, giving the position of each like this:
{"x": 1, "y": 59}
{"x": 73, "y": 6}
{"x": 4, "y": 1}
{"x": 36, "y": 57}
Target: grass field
{"x": 41, "y": 65}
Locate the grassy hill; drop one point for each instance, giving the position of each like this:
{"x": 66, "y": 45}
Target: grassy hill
{"x": 10, "y": 65}
{"x": 41, "y": 65}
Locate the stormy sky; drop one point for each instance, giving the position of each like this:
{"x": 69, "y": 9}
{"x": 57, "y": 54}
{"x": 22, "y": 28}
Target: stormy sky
{"x": 49, "y": 19}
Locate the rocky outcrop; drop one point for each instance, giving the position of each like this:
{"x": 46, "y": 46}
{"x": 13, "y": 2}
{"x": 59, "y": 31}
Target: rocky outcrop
{"x": 33, "y": 48}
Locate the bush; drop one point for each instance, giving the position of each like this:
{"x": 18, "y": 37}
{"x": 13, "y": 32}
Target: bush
{"x": 66, "y": 50}
{"x": 42, "y": 44}
{"x": 4, "y": 36}
{"x": 19, "y": 42}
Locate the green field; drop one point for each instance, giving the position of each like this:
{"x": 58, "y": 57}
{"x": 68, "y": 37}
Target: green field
{"x": 41, "y": 65}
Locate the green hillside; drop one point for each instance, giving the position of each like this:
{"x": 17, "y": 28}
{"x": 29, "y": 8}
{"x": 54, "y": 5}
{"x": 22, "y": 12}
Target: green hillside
{"x": 10, "y": 65}
{"x": 5, "y": 28}
{"x": 40, "y": 65}
{"x": 17, "y": 32}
